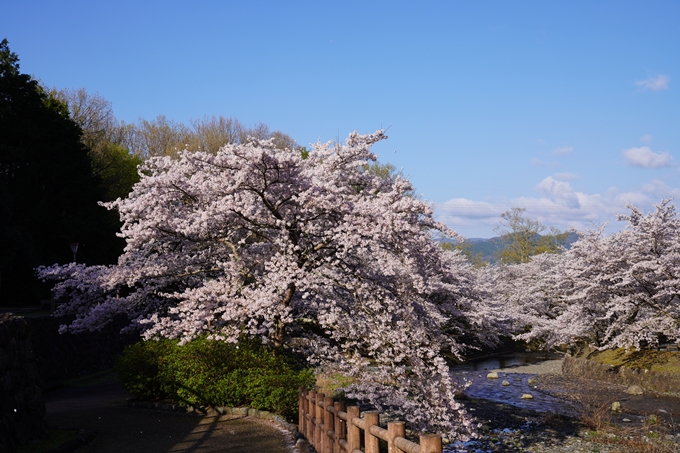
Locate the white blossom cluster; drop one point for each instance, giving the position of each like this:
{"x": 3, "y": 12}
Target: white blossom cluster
{"x": 313, "y": 252}
{"x": 622, "y": 290}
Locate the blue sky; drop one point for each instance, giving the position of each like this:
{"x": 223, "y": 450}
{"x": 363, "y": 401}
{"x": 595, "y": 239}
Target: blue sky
{"x": 569, "y": 109}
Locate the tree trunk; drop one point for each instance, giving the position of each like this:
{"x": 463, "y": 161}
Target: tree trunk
{"x": 280, "y": 326}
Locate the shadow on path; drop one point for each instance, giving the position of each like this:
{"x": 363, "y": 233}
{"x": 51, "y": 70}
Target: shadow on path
{"x": 102, "y": 408}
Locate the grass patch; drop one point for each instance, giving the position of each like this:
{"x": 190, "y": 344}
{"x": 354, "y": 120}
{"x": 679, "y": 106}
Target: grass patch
{"x": 621, "y": 440}
{"x": 659, "y": 361}
{"x": 55, "y": 438}
{"x": 648, "y": 437}
{"x": 329, "y": 383}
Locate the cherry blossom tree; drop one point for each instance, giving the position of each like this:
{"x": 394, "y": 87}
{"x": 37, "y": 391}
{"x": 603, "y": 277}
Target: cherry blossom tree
{"x": 521, "y": 296}
{"x": 532, "y": 301}
{"x": 633, "y": 277}
{"x": 622, "y": 290}
{"x": 309, "y": 251}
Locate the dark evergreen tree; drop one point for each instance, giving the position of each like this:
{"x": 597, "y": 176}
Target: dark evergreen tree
{"x": 48, "y": 192}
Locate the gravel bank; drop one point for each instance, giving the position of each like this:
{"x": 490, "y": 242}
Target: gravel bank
{"x": 545, "y": 367}
{"x": 508, "y": 428}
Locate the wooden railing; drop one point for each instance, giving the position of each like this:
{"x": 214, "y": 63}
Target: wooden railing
{"x": 330, "y": 428}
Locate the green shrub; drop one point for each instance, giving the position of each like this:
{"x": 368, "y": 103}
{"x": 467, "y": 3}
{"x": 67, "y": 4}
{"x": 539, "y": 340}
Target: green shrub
{"x": 213, "y": 373}
{"x": 139, "y": 368}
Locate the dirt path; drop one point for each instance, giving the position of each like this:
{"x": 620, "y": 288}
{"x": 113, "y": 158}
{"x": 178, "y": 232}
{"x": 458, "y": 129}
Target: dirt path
{"x": 119, "y": 428}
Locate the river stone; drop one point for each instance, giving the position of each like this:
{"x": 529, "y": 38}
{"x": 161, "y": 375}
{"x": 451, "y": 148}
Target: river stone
{"x": 527, "y": 396}
{"x": 531, "y": 381}
{"x": 634, "y": 390}
{"x": 505, "y": 383}
{"x": 492, "y": 375}
{"x": 616, "y": 406}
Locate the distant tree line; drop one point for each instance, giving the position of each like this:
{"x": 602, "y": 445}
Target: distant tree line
{"x": 160, "y": 136}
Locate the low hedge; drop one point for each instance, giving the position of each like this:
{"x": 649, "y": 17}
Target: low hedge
{"x": 213, "y": 373}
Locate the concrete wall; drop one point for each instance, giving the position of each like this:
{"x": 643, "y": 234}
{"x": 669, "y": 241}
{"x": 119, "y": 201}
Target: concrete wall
{"x": 648, "y": 380}
{"x": 22, "y": 407}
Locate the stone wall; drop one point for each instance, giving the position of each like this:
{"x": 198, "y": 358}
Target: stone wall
{"x": 22, "y": 407}
{"x": 649, "y": 380}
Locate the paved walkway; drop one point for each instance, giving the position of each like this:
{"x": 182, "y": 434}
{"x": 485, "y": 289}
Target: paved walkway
{"x": 101, "y": 408}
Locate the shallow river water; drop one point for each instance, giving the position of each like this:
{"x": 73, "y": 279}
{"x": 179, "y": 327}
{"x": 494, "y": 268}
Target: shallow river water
{"x": 516, "y": 370}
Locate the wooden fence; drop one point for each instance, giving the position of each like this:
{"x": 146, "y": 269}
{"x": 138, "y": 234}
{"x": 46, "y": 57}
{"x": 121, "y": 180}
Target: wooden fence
{"x": 330, "y": 428}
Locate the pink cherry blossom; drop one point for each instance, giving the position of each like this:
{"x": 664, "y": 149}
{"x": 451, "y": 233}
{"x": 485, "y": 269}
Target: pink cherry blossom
{"x": 314, "y": 253}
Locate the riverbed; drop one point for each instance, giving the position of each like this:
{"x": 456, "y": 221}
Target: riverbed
{"x": 515, "y": 378}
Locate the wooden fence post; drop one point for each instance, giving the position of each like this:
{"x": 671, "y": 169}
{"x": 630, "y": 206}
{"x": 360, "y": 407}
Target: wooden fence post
{"x": 321, "y": 424}
{"x": 371, "y": 442}
{"x": 311, "y": 410}
{"x": 353, "y": 432}
{"x": 329, "y": 424}
{"x": 340, "y": 432}
{"x": 430, "y": 443}
{"x": 319, "y": 434}
{"x": 302, "y": 399}
{"x": 394, "y": 429}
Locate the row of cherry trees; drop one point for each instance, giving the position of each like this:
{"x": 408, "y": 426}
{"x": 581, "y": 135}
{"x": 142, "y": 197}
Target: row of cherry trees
{"x": 317, "y": 253}
{"x": 621, "y": 290}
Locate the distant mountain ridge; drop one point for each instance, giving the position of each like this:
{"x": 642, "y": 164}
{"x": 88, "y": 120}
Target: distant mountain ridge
{"x": 488, "y": 248}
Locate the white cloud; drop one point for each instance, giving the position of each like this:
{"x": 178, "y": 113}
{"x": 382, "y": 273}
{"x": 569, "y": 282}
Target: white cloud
{"x": 563, "y": 151}
{"x": 558, "y": 206}
{"x": 566, "y": 176}
{"x": 644, "y": 157}
{"x": 473, "y": 218}
{"x": 658, "y": 189}
{"x": 559, "y": 192}
{"x": 646, "y": 139}
{"x": 654, "y": 83}
{"x": 467, "y": 208}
